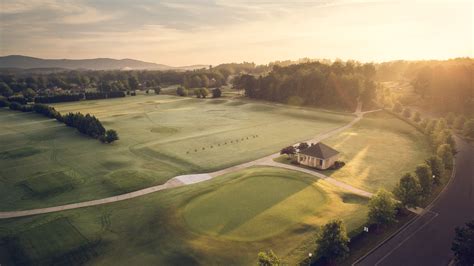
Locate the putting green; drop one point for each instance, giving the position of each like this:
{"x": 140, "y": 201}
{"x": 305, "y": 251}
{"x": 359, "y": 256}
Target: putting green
{"x": 255, "y": 206}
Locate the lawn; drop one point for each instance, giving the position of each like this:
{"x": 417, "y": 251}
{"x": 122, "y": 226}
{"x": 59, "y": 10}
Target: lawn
{"x": 43, "y": 163}
{"x": 378, "y": 151}
{"x": 226, "y": 220}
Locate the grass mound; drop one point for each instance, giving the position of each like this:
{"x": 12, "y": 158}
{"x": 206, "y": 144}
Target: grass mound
{"x": 48, "y": 185}
{"x": 164, "y": 130}
{"x": 57, "y": 242}
{"x": 124, "y": 181}
{"x": 255, "y": 207}
{"x": 19, "y": 153}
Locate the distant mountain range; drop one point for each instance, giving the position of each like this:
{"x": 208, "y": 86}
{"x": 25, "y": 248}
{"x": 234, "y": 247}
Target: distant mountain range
{"x": 26, "y": 62}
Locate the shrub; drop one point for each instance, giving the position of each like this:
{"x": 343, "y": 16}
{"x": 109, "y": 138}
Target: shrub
{"x": 268, "y": 258}
{"x": 459, "y": 122}
{"x": 111, "y": 136}
{"x": 180, "y": 91}
{"x": 450, "y": 118}
{"x": 468, "y": 129}
{"x": 59, "y": 98}
{"x": 290, "y": 150}
{"x": 157, "y": 90}
{"x": 4, "y": 103}
{"x": 95, "y": 95}
{"x": 115, "y": 94}
{"x": 18, "y": 99}
{"x": 216, "y": 93}
{"x": 15, "y": 106}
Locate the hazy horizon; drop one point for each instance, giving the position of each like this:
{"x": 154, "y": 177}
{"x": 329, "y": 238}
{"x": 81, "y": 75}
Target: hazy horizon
{"x": 214, "y": 32}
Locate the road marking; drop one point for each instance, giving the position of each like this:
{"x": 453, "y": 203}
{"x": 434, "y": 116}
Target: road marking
{"x": 410, "y": 236}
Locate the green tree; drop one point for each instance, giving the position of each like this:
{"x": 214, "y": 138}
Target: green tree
{"x": 424, "y": 175}
{"x": 332, "y": 241}
{"x": 29, "y": 93}
{"x": 268, "y": 258}
{"x": 204, "y": 92}
{"x": 417, "y": 117}
{"x": 216, "y": 93}
{"x": 5, "y": 90}
{"x": 430, "y": 127}
{"x": 463, "y": 244}
{"x": 204, "y": 81}
{"x": 157, "y": 90}
{"x": 459, "y": 122}
{"x": 468, "y": 129}
{"x": 408, "y": 191}
{"x": 133, "y": 83}
{"x": 450, "y": 118}
{"x": 437, "y": 168}
{"x": 382, "y": 208}
{"x": 180, "y": 91}
{"x": 196, "y": 82}
{"x": 441, "y": 125}
{"x": 290, "y": 150}
{"x": 445, "y": 153}
{"x": 424, "y": 123}
{"x": 302, "y": 146}
{"x": 111, "y": 136}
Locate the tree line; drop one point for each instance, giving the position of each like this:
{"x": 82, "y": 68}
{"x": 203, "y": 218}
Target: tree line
{"x": 41, "y": 84}
{"x": 339, "y": 84}
{"x": 441, "y": 86}
{"x": 86, "y": 124}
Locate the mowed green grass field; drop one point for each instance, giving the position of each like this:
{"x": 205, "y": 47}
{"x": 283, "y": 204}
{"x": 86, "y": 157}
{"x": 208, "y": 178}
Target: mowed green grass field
{"x": 378, "y": 151}
{"x": 44, "y": 163}
{"x": 226, "y": 220}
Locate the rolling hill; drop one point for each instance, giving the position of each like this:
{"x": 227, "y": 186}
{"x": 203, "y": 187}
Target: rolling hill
{"x": 26, "y": 62}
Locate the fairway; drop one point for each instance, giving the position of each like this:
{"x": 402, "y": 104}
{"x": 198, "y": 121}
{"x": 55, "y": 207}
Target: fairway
{"x": 183, "y": 226}
{"x": 378, "y": 151}
{"x": 44, "y": 163}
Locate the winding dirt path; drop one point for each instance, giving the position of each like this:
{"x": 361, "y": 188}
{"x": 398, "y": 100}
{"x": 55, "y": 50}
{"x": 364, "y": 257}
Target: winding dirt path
{"x": 196, "y": 178}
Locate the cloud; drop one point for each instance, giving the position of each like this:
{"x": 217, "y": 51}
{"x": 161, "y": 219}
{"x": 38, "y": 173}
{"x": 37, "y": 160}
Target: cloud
{"x": 188, "y": 32}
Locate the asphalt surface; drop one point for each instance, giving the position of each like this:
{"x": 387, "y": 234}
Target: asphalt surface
{"x": 427, "y": 241}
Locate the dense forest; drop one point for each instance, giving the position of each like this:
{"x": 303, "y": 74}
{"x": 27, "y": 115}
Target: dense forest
{"x": 336, "y": 85}
{"x": 442, "y": 86}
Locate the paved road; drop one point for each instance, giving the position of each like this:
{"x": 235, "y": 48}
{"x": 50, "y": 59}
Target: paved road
{"x": 427, "y": 241}
{"x": 196, "y": 178}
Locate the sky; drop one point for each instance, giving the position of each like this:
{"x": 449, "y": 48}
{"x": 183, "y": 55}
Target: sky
{"x": 189, "y": 32}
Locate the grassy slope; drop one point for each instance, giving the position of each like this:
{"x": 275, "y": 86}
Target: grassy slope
{"x": 160, "y": 137}
{"x": 378, "y": 151}
{"x": 164, "y": 228}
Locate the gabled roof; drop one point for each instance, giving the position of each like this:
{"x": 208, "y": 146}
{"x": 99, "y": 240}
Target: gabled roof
{"x": 319, "y": 150}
